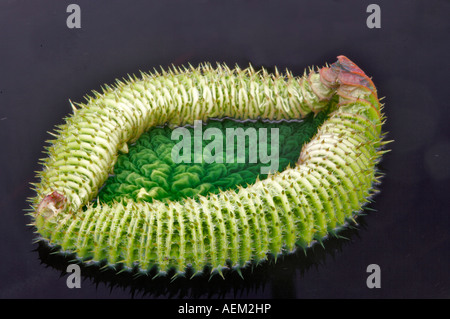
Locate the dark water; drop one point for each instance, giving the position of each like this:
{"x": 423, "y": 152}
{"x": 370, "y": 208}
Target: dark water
{"x": 43, "y": 64}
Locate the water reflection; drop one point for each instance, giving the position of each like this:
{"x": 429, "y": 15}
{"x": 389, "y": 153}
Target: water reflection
{"x": 271, "y": 279}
